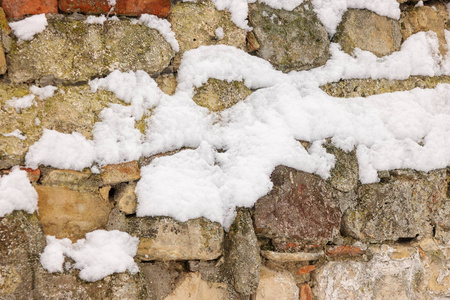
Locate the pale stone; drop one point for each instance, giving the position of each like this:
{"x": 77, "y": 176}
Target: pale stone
{"x": 368, "y": 31}
{"x": 217, "y": 95}
{"x": 345, "y": 173}
{"x": 124, "y": 172}
{"x": 291, "y": 257}
{"x": 126, "y": 199}
{"x": 70, "y": 214}
{"x": 167, "y": 83}
{"x": 2, "y": 60}
{"x": 194, "y": 25}
{"x": 276, "y": 285}
{"x": 193, "y": 287}
{"x": 65, "y": 177}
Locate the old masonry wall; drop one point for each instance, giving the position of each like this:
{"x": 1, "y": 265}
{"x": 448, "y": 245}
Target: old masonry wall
{"x": 309, "y": 237}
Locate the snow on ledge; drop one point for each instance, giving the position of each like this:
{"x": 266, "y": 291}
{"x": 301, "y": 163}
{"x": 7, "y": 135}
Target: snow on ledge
{"x": 25, "y": 29}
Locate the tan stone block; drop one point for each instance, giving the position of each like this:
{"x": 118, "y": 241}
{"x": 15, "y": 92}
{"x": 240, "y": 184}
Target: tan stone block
{"x": 276, "y": 285}
{"x": 125, "y": 172}
{"x": 126, "y": 199}
{"x": 290, "y": 257}
{"x": 193, "y": 287}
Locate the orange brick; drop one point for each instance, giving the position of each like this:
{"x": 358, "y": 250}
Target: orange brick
{"x": 114, "y": 174}
{"x": 344, "y": 251}
{"x": 20, "y": 8}
{"x": 305, "y": 270}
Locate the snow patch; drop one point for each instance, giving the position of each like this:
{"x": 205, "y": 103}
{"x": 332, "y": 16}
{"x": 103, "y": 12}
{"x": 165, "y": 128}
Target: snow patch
{"x": 21, "y": 103}
{"x": 163, "y": 26}
{"x": 25, "y": 29}
{"x": 16, "y": 133}
{"x": 45, "y": 92}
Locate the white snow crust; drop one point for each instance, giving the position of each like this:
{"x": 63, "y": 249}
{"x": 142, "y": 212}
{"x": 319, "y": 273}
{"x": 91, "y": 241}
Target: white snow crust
{"x": 102, "y": 253}
{"x": 16, "y": 133}
{"x": 163, "y": 26}
{"x": 21, "y": 103}
{"x": 17, "y": 193}
{"x": 25, "y": 29}
{"x": 43, "y": 93}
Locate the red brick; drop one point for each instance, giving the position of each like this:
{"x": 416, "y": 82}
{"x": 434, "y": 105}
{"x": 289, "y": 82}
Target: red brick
{"x": 161, "y": 8}
{"x": 305, "y": 270}
{"x": 305, "y": 292}
{"x": 344, "y": 251}
{"x": 19, "y": 8}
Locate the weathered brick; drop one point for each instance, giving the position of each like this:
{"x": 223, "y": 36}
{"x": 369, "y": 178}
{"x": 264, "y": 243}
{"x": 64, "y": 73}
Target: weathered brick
{"x": 161, "y": 8}
{"x": 20, "y": 8}
{"x": 306, "y": 269}
{"x": 344, "y": 251}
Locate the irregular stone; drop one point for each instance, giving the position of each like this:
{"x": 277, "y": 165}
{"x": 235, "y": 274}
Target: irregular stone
{"x": 193, "y": 287}
{"x": 344, "y": 251}
{"x": 380, "y": 278}
{"x": 167, "y": 83}
{"x": 252, "y": 42}
{"x": 160, "y": 278}
{"x": 3, "y": 22}
{"x": 161, "y": 8}
{"x": 194, "y": 25}
{"x": 124, "y": 172}
{"x": 33, "y": 174}
{"x": 300, "y": 206}
{"x": 368, "y": 87}
{"x": 291, "y": 257}
{"x": 276, "y": 285}
{"x": 305, "y": 292}
{"x": 368, "y": 31}
{"x": 89, "y": 50}
{"x": 425, "y": 18}
{"x": 165, "y": 239}
{"x": 345, "y": 174}
{"x": 217, "y": 95}
{"x": 125, "y": 198}
{"x": 21, "y": 241}
{"x": 440, "y": 208}
{"x": 242, "y": 255}
{"x": 289, "y": 40}
{"x": 396, "y": 209}
{"x": 2, "y": 61}
{"x": 65, "y": 178}
{"x": 306, "y": 269}
{"x": 21, "y": 8}
{"x": 70, "y": 214}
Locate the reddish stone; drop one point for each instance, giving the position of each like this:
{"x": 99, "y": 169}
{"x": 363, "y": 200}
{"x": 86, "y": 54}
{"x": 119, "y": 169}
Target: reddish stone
{"x": 161, "y": 8}
{"x": 305, "y": 270}
{"x": 114, "y": 174}
{"x": 33, "y": 174}
{"x": 344, "y": 251}
{"x": 300, "y": 207}
{"x": 292, "y": 246}
{"x": 20, "y": 8}
{"x": 305, "y": 292}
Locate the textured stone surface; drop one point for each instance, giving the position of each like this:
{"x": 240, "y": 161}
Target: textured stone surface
{"x": 160, "y": 278}
{"x": 380, "y": 278}
{"x": 396, "y": 209}
{"x": 276, "y": 285}
{"x": 125, "y": 172}
{"x": 368, "y": 87}
{"x": 425, "y": 18}
{"x": 70, "y": 214}
{"x": 161, "y": 8}
{"x": 33, "y": 174}
{"x": 74, "y": 180}
{"x": 194, "y": 25}
{"x": 20, "y": 8}
{"x": 125, "y": 198}
{"x": 2, "y": 61}
{"x": 217, "y": 95}
{"x": 89, "y": 50}
{"x": 242, "y": 253}
{"x": 368, "y": 31}
{"x": 345, "y": 174}
{"x": 165, "y": 239}
{"x": 300, "y": 206}
{"x": 290, "y": 40}
{"x": 291, "y": 257}
{"x": 193, "y": 287}
{"x": 305, "y": 292}
{"x": 167, "y": 83}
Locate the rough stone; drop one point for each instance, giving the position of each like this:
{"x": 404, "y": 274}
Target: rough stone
{"x": 217, "y": 95}
{"x": 83, "y": 181}
{"x": 33, "y": 174}
{"x": 305, "y": 292}
{"x": 425, "y": 18}
{"x": 89, "y": 50}
{"x": 289, "y": 40}
{"x": 306, "y": 269}
{"x": 300, "y": 206}
{"x": 161, "y": 8}
{"x": 379, "y": 278}
{"x": 242, "y": 254}
{"x": 276, "y": 285}
{"x": 125, "y": 198}
{"x": 167, "y": 83}
{"x": 194, "y": 25}
{"x": 344, "y": 250}
{"x": 396, "y": 209}
{"x": 345, "y": 174}
{"x": 2, "y": 61}
{"x": 165, "y": 239}
{"x": 4, "y": 22}
{"x": 193, "y": 287}
{"x": 368, "y": 31}
{"x": 368, "y": 87}
{"x": 291, "y": 257}
{"x": 161, "y": 278}
{"x": 21, "y": 8}
{"x": 124, "y": 172}
{"x": 70, "y": 214}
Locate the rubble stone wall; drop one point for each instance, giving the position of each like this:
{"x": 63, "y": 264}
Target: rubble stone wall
{"x": 309, "y": 238}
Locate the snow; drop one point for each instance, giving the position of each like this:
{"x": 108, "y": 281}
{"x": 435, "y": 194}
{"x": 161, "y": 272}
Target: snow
{"x": 25, "y": 29}
{"x": 100, "y": 19}
{"x": 102, "y": 253}
{"x": 21, "y": 103}
{"x": 234, "y": 152}
{"x": 163, "y": 26}
{"x": 17, "y": 193}
{"x": 16, "y": 133}
{"x": 43, "y": 93}
{"x": 112, "y": 3}
{"x": 219, "y": 33}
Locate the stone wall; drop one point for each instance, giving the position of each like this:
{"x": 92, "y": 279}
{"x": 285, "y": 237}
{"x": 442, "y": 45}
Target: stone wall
{"x": 308, "y": 238}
